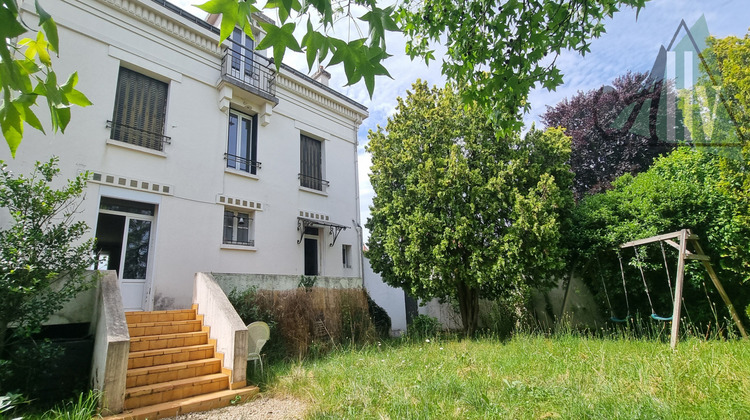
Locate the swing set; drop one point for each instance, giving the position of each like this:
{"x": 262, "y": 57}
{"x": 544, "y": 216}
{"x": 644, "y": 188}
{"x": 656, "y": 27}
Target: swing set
{"x": 688, "y": 249}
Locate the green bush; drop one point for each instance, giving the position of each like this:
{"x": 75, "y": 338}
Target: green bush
{"x": 423, "y": 326}
{"x": 43, "y": 257}
{"x": 380, "y": 318}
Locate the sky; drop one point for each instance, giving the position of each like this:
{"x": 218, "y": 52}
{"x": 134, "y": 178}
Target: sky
{"x": 629, "y": 44}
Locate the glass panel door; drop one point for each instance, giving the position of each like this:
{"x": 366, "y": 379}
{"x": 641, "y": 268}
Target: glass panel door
{"x": 134, "y": 265}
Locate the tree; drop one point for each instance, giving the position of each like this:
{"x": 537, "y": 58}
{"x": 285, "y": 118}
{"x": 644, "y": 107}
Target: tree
{"x": 26, "y": 73}
{"x": 459, "y": 214}
{"x": 42, "y": 258}
{"x": 723, "y": 92}
{"x": 600, "y": 153}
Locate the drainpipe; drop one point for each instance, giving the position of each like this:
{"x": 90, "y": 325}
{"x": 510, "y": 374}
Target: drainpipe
{"x": 356, "y": 220}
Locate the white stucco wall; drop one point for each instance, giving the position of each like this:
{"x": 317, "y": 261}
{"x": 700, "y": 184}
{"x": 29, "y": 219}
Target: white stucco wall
{"x": 389, "y": 298}
{"x": 99, "y": 36}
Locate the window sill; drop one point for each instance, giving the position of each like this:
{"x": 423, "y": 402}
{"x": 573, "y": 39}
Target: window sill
{"x": 239, "y": 247}
{"x": 241, "y": 173}
{"x": 310, "y": 190}
{"x": 135, "y": 148}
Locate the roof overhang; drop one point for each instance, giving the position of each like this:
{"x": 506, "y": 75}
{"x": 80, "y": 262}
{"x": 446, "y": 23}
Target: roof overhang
{"x": 304, "y": 222}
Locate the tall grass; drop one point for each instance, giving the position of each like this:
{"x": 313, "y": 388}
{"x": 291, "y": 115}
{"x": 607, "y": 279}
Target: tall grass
{"x": 528, "y": 376}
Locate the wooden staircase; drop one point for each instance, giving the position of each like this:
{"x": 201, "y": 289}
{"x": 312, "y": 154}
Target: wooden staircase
{"x": 173, "y": 367}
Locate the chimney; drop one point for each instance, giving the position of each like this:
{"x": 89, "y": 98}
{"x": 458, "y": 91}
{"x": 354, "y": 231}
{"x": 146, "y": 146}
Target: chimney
{"x": 322, "y": 76}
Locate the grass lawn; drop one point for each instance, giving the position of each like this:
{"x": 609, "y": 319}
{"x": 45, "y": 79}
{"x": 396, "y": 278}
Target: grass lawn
{"x": 526, "y": 377}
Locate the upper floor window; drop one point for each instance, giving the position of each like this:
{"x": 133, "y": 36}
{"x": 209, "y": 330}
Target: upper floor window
{"x": 311, "y": 163}
{"x": 242, "y": 55}
{"x": 242, "y": 143}
{"x": 140, "y": 110}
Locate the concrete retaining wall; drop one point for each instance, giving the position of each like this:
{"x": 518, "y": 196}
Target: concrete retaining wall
{"x": 111, "y": 345}
{"x": 241, "y": 282}
{"x": 226, "y": 326}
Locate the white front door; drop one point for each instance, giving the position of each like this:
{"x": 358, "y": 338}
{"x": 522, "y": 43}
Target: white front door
{"x": 124, "y": 235}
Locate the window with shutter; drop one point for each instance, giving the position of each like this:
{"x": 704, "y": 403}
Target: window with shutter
{"x": 140, "y": 110}
{"x": 311, "y": 163}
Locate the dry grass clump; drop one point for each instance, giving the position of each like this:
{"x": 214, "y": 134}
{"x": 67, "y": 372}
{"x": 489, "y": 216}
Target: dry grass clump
{"x": 310, "y": 321}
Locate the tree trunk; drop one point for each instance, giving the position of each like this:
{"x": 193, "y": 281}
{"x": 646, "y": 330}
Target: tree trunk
{"x": 3, "y": 333}
{"x": 468, "y": 304}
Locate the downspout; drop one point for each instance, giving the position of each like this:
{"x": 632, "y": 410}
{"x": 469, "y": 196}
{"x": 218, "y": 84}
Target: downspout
{"x": 356, "y": 221}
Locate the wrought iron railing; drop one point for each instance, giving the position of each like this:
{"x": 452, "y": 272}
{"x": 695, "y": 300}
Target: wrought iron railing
{"x": 249, "y": 242}
{"x": 250, "y": 71}
{"x": 137, "y": 136}
{"x": 312, "y": 182}
{"x": 241, "y": 164}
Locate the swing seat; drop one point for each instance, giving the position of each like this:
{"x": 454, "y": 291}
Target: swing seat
{"x": 660, "y": 318}
{"x": 620, "y": 320}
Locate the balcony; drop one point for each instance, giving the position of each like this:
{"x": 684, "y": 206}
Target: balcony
{"x": 249, "y": 71}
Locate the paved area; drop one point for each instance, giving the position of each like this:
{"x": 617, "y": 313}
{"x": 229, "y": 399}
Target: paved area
{"x": 265, "y": 408}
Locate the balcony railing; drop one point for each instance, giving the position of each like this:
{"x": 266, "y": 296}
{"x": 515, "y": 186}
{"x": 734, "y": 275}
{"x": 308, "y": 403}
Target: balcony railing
{"x": 249, "y": 242}
{"x": 137, "y": 136}
{"x": 250, "y": 71}
{"x": 313, "y": 183}
{"x": 241, "y": 164}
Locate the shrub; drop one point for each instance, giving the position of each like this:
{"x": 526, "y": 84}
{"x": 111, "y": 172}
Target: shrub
{"x": 42, "y": 256}
{"x": 380, "y": 318}
{"x": 423, "y": 326}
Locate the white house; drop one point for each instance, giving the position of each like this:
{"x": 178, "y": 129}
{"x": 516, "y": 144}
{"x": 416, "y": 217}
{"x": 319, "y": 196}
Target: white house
{"x": 203, "y": 157}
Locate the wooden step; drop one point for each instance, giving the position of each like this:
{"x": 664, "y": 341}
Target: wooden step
{"x": 160, "y": 316}
{"x": 189, "y": 405}
{"x": 164, "y": 327}
{"x": 164, "y": 341}
{"x": 172, "y": 372}
{"x": 146, "y": 395}
{"x": 157, "y": 357}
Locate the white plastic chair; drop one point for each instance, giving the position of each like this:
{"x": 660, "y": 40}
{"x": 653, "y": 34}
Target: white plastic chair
{"x": 257, "y": 335}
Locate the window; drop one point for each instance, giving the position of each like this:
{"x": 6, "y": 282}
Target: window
{"x": 346, "y": 255}
{"x": 242, "y": 143}
{"x": 311, "y": 163}
{"x": 140, "y": 110}
{"x": 242, "y": 55}
{"x": 237, "y": 228}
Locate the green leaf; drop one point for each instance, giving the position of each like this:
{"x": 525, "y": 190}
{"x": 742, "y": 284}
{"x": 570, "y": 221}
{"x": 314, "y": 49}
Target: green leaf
{"x": 10, "y": 27}
{"x": 75, "y": 97}
{"x": 280, "y": 39}
{"x": 12, "y": 126}
{"x": 49, "y": 26}
{"x": 229, "y": 10}
{"x": 350, "y": 54}
{"x": 379, "y": 20}
{"x": 284, "y": 7}
{"x": 31, "y": 118}
{"x": 324, "y": 8}
{"x": 316, "y": 45}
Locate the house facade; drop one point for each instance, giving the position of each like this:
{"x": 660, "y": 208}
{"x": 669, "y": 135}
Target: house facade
{"x": 203, "y": 158}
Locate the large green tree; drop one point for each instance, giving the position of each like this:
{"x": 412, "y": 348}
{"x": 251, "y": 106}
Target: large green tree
{"x": 460, "y": 214}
